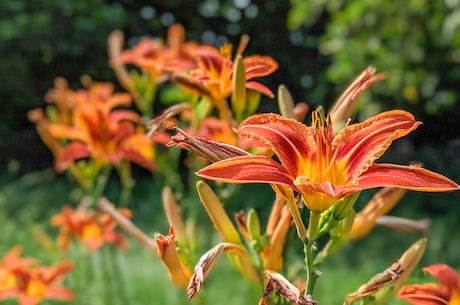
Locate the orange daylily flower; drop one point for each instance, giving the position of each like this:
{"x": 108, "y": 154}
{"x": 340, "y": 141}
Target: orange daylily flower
{"x": 35, "y": 284}
{"x": 10, "y": 262}
{"x": 93, "y": 229}
{"x": 157, "y": 57}
{"x": 213, "y": 76}
{"x": 166, "y": 250}
{"x": 24, "y": 278}
{"x": 94, "y": 129}
{"x": 447, "y": 293}
{"x": 102, "y": 95}
{"x": 42, "y": 125}
{"x": 106, "y": 136}
{"x": 63, "y": 98}
{"x": 217, "y": 130}
{"x": 323, "y": 166}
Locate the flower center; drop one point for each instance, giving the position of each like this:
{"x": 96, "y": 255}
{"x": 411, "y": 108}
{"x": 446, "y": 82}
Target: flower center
{"x": 36, "y": 288}
{"x": 324, "y": 165}
{"x": 91, "y": 231}
{"x": 8, "y": 280}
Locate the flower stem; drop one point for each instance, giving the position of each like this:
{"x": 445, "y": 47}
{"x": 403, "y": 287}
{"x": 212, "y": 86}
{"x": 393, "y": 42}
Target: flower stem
{"x": 312, "y": 231}
{"x": 130, "y": 228}
{"x": 101, "y": 183}
{"x": 309, "y": 247}
{"x": 127, "y": 183}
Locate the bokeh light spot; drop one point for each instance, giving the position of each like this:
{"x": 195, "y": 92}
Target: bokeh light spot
{"x": 167, "y": 19}
{"x": 241, "y": 4}
{"x": 208, "y": 37}
{"x": 307, "y": 81}
{"x": 251, "y": 11}
{"x": 209, "y": 8}
{"x": 147, "y": 12}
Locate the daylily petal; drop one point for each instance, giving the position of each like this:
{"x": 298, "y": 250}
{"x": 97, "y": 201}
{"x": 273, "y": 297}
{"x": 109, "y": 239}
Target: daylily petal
{"x": 63, "y": 131}
{"x": 59, "y": 293}
{"x": 326, "y": 187}
{"x": 361, "y": 144}
{"x": 121, "y": 115}
{"x": 28, "y": 300}
{"x": 260, "y": 88}
{"x": 167, "y": 252}
{"x": 118, "y": 99}
{"x": 314, "y": 193}
{"x": 236, "y": 170}
{"x": 257, "y": 66}
{"x": 408, "y": 177}
{"x": 445, "y": 275}
{"x": 425, "y": 294}
{"x": 57, "y": 272}
{"x": 212, "y": 61}
{"x": 72, "y": 152}
{"x": 433, "y": 294}
{"x": 290, "y": 140}
{"x": 139, "y": 149}
{"x": 8, "y": 293}
{"x": 191, "y": 84}
{"x": 343, "y": 107}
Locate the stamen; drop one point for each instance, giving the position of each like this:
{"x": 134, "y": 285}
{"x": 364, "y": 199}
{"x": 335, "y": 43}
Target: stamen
{"x": 226, "y": 50}
{"x": 317, "y": 119}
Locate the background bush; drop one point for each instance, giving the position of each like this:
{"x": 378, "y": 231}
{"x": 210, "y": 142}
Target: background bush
{"x": 320, "y": 45}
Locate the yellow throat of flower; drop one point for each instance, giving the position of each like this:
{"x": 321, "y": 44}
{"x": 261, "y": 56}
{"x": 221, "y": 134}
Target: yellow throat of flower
{"x": 320, "y": 171}
{"x": 36, "y": 288}
{"x": 323, "y": 165}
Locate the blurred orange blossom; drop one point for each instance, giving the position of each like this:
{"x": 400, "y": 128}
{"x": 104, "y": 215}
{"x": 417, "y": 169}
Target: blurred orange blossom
{"x": 446, "y": 293}
{"x": 92, "y": 229}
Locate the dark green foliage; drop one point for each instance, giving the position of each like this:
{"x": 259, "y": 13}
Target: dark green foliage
{"x": 415, "y": 42}
{"x": 41, "y": 40}
{"x": 320, "y": 46}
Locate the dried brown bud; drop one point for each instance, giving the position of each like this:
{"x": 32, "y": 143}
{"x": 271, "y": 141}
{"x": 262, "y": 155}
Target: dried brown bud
{"x": 280, "y": 285}
{"x": 210, "y": 150}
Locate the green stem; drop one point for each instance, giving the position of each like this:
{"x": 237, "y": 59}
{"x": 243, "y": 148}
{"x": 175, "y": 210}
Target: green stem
{"x": 114, "y": 274}
{"x": 77, "y": 174}
{"x": 119, "y": 282}
{"x": 149, "y": 99}
{"x": 101, "y": 183}
{"x": 127, "y": 183}
{"x": 309, "y": 243}
{"x": 312, "y": 231}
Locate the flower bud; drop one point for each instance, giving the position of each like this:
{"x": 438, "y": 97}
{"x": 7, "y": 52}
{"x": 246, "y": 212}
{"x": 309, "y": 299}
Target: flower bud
{"x": 217, "y": 214}
{"x": 253, "y": 225}
{"x": 285, "y": 102}
{"x": 238, "y": 99}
